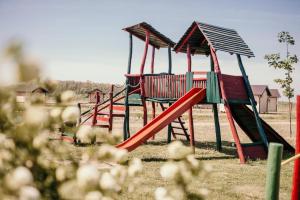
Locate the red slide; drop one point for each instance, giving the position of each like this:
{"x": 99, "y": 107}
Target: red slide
{"x": 194, "y": 96}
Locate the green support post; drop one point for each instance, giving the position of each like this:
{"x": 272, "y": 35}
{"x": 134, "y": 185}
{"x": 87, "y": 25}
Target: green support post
{"x": 273, "y": 171}
{"x": 126, "y": 133}
{"x": 252, "y": 101}
{"x": 216, "y": 115}
{"x": 169, "y": 72}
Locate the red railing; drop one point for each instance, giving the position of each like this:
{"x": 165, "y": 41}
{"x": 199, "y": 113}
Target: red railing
{"x": 169, "y": 86}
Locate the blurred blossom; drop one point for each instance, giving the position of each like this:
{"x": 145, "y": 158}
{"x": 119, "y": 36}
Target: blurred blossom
{"x": 108, "y": 182}
{"x": 70, "y": 114}
{"x": 20, "y": 177}
{"x": 41, "y": 139}
{"x": 35, "y": 115}
{"x": 178, "y": 151}
{"x": 29, "y": 193}
{"x": 135, "y": 167}
{"x": 55, "y": 113}
{"x": 169, "y": 171}
{"x": 88, "y": 175}
{"x": 61, "y": 173}
{"x": 85, "y": 134}
{"x": 67, "y": 96}
{"x": 93, "y": 195}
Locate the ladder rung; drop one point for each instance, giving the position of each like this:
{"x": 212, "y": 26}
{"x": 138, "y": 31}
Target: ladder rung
{"x": 176, "y": 127}
{"x": 180, "y": 134}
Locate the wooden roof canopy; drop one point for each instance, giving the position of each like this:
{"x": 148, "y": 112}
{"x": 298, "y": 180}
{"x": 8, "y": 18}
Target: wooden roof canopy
{"x": 201, "y": 36}
{"x": 157, "y": 39}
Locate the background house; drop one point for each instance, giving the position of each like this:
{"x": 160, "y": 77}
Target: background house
{"x": 24, "y": 91}
{"x": 261, "y": 94}
{"x": 92, "y": 95}
{"x": 273, "y": 100}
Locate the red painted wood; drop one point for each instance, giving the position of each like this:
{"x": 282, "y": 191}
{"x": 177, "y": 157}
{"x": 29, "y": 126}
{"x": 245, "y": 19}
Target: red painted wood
{"x": 187, "y": 38}
{"x": 118, "y": 108}
{"x": 255, "y": 152}
{"x": 96, "y": 108}
{"x": 227, "y": 108}
{"x": 296, "y": 176}
{"x": 152, "y": 59}
{"x": 235, "y": 87}
{"x": 111, "y": 107}
{"x": 189, "y": 58}
{"x": 145, "y": 53}
{"x": 194, "y": 96}
{"x": 191, "y": 129}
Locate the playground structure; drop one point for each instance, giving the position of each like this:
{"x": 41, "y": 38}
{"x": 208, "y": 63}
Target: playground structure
{"x": 177, "y": 94}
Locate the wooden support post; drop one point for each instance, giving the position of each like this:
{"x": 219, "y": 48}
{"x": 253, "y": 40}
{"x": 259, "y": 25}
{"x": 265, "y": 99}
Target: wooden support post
{"x": 227, "y": 108}
{"x": 142, "y": 81}
{"x": 152, "y": 72}
{"x": 216, "y": 116}
{"x": 94, "y": 122}
{"x": 79, "y": 117}
{"x": 169, "y": 72}
{"x": 189, "y": 85}
{"x": 273, "y": 171}
{"x": 252, "y": 101}
{"x": 189, "y": 58}
{"x": 111, "y": 106}
{"x": 126, "y": 133}
{"x": 296, "y": 177}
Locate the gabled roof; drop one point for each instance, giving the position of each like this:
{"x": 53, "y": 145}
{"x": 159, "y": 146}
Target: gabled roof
{"x": 29, "y": 87}
{"x": 157, "y": 39}
{"x": 275, "y": 93}
{"x": 258, "y": 90}
{"x": 201, "y": 36}
{"x": 95, "y": 90}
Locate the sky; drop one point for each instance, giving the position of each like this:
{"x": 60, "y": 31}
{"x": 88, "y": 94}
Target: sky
{"x": 83, "y": 39}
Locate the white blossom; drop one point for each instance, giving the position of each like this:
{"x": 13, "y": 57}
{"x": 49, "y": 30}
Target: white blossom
{"x": 108, "y": 182}
{"x": 93, "y": 195}
{"x": 85, "y": 134}
{"x": 87, "y": 175}
{"x": 29, "y": 193}
{"x": 177, "y": 151}
{"x": 70, "y": 114}
{"x": 55, "y": 113}
{"x": 67, "y": 96}
{"x": 35, "y": 115}
{"x": 61, "y": 173}
{"x": 135, "y": 167}
{"x": 20, "y": 177}
{"x": 41, "y": 140}
{"x": 169, "y": 171}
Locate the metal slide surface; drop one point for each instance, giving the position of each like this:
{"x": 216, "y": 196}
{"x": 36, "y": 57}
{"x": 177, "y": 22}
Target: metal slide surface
{"x": 194, "y": 96}
{"x": 245, "y": 118}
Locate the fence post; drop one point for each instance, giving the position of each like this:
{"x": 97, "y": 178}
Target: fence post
{"x": 96, "y": 108}
{"x": 111, "y": 107}
{"x": 296, "y": 177}
{"x": 273, "y": 171}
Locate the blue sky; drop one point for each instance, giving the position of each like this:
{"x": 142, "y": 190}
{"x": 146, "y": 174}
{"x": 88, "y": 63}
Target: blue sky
{"x": 83, "y": 40}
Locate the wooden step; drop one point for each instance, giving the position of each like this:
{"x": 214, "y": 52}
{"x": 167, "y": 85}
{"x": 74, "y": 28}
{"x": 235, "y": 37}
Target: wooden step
{"x": 180, "y": 134}
{"x": 177, "y": 122}
{"x": 102, "y": 125}
{"x": 176, "y": 127}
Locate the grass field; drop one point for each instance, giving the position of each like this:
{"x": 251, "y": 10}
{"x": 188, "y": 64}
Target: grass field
{"x": 228, "y": 179}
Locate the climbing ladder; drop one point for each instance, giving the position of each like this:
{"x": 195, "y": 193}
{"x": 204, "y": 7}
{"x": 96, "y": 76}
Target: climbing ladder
{"x": 177, "y": 126}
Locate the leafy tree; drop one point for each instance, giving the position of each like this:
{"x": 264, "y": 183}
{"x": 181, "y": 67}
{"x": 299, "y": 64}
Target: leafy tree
{"x": 274, "y": 60}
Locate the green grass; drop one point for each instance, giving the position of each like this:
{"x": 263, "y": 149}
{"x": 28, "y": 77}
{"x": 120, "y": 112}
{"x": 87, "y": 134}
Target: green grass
{"x": 229, "y": 179}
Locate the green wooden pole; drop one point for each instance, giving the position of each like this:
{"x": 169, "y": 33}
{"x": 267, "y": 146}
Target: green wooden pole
{"x": 273, "y": 171}
{"x": 126, "y": 133}
{"x": 216, "y": 116}
{"x": 169, "y": 72}
{"x": 252, "y": 101}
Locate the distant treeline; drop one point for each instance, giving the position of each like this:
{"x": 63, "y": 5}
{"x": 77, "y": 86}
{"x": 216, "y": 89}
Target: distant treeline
{"x": 83, "y": 88}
